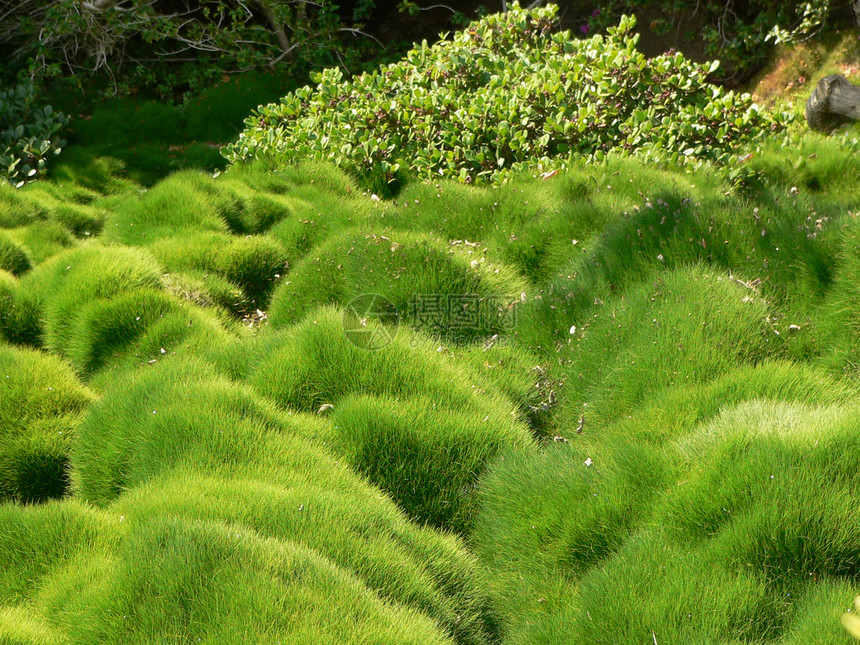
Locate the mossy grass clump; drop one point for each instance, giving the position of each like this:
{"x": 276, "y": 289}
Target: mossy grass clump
{"x": 13, "y": 258}
{"x": 323, "y": 359}
{"x": 253, "y": 263}
{"x": 136, "y": 327}
{"x": 221, "y": 582}
{"x": 40, "y": 405}
{"x": 187, "y": 201}
{"x": 40, "y": 540}
{"x": 207, "y": 290}
{"x": 504, "y": 94}
{"x": 548, "y": 517}
{"x": 19, "y": 315}
{"x": 42, "y": 239}
{"x": 448, "y": 289}
{"x": 427, "y": 458}
{"x": 687, "y": 326}
{"x": 182, "y": 427}
{"x": 62, "y": 284}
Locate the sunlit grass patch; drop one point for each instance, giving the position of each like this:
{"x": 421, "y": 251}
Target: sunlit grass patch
{"x": 685, "y": 327}
{"x": 474, "y": 294}
{"x": 42, "y": 239}
{"x": 253, "y": 263}
{"x": 321, "y": 361}
{"x": 13, "y": 258}
{"x": 179, "y": 440}
{"x": 36, "y": 541}
{"x": 197, "y": 579}
{"x": 185, "y": 202}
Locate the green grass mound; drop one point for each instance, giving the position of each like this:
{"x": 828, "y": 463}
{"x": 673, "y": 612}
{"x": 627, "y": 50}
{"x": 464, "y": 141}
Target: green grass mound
{"x": 207, "y": 290}
{"x": 754, "y": 510}
{"x": 187, "y": 201}
{"x": 217, "y": 582}
{"x": 686, "y": 327}
{"x": 178, "y": 440}
{"x": 774, "y": 245}
{"x": 253, "y": 263}
{"x": 40, "y": 404}
{"x": 428, "y": 459}
{"x": 546, "y": 518}
{"x": 72, "y": 207}
{"x": 60, "y": 286}
{"x": 452, "y": 291}
{"x": 674, "y": 412}
{"x": 13, "y": 258}
{"x": 506, "y": 93}
{"x": 39, "y": 541}
{"x": 41, "y": 240}
{"x": 136, "y": 328}
{"x": 836, "y": 320}
{"x": 324, "y": 359}
{"x": 19, "y": 316}
{"x": 20, "y": 627}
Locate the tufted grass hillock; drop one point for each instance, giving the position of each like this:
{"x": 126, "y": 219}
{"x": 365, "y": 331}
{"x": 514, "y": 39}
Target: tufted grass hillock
{"x": 181, "y": 427}
{"x": 253, "y": 263}
{"x": 19, "y": 315}
{"x": 40, "y": 540}
{"x": 13, "y": 258}
{"x": 454, "y": 291}
{"x": 185, "y": 202}
{"x": 316, "y": 362}
{"x": 135, "y": 328}
{"x": 40, "y": 403}
{"x": 204, "y": 578}
{"x": 687, "y": 326}
{"x": 427, "y": 458}
{"x": 59, "y": 286}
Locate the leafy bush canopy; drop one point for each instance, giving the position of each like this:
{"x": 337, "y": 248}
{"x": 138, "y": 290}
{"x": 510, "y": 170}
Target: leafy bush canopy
{"x": 504, "y": 94}
{"x": 28, "y": 135}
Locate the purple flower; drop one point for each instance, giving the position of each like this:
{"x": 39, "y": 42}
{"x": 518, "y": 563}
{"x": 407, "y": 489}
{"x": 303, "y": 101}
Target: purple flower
{"x": 595, "y": 13}
{"x": 584, "y": 29}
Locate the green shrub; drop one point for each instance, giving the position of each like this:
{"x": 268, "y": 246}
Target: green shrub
{"x": 12, "y": 257}
{"x": 428, "y": 459}
{"x": 39, "y": 407}
{"x": 449, "y": 290}
{"x": 504, "y": 94}
{"x": 28, "y": 135}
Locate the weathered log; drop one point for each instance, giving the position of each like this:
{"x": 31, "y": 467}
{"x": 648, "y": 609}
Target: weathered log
{"x": 834, "y": 102}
